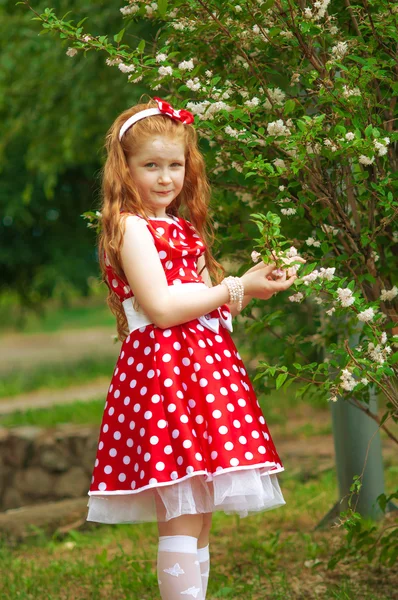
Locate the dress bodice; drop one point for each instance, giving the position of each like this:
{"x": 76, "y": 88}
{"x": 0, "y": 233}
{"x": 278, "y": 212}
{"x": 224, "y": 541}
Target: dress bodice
{"x": 179, "y": 247}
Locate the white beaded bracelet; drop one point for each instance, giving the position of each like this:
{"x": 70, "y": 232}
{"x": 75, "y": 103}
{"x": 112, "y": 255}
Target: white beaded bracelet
{"x": 236, "y": 290}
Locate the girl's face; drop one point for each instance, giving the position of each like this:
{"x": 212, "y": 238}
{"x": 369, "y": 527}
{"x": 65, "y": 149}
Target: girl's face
{"x": 158, "y": 166}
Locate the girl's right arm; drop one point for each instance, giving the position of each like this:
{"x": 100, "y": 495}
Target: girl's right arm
{"x": 146, "y": 277}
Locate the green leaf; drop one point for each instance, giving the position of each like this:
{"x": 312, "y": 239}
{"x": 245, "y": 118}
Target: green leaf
{"x": 119, "y": 36}
{"x": 141, "y": 46}
{"x": 281, "y": 379}
{"x": 162, "y": 7}
{"x": 290, "y": 105}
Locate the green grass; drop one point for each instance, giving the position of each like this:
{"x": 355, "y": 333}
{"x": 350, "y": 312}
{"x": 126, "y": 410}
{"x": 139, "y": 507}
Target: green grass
{"x": 79, "y": 413}
{"x": 275, "y": 555}
{"x": 56, "y": 376}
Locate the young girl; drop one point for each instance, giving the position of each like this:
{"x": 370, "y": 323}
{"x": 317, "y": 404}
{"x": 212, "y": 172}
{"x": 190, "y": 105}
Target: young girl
{"x": 182, "y": 433}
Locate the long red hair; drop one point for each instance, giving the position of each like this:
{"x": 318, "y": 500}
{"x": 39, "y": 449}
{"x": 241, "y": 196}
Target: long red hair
{"x": 119, "y": 192}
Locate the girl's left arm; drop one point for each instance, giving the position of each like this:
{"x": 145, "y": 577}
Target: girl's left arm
{"x": 233, "y": 307}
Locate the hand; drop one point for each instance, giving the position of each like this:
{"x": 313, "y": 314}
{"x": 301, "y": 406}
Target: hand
{"x": 259, "y": 283}
{"x": 277, "y": 273}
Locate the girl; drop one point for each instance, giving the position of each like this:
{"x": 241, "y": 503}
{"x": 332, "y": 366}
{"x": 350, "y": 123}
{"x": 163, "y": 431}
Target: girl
{"x": 182, "y": 433}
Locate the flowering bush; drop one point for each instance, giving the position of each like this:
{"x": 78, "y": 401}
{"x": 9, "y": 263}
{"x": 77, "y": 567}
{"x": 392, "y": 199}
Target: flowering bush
{"x": 301, "y": 122}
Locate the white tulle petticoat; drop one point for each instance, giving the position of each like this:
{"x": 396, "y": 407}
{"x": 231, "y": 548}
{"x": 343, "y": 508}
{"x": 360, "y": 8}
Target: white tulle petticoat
{"x": 239, "y": 492}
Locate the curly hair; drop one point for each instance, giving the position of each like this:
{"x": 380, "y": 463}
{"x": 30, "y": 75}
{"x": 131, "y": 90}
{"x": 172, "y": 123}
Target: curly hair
{"x": 119, "y": 192}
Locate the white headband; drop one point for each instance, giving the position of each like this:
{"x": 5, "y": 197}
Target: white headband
{"x": 148, "y": 112}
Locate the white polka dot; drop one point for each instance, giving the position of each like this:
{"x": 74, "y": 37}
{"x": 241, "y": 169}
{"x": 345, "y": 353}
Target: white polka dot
{"x": 143, "y": 390}
{"x": 228, "y": 445}
{"x": 216, "y": 375}
{"x": 130, "y": 360}
{"x": 174, "y": 475}
{"x": 114, "y": 283}
{"x": 199, "y": 419}
{"x": 130, "y": 443}
{"x": 113, "y": 452}
{"x": 147, "y": 350}
{"x": 153, "y": 481}
{"x": 168, "y": 382}
{"x": 175, "y": 433}
{"x": 117, "y": 435}
{"x": 186, "y": 361}
{"x": 189, "y": 469}
{"x": 248, "y": 455}
{"x": 160, "y": 466}
{"x": 166, "y": 357}
{"x": 217, "y": 414}
{"x": 117, "y": 393}
{"x": 234, "y": 462}
{"x": 242, "y": 439}
{"x": 147, "y": 456}
{"x": 184, "y": 419}
{"x": 162, "y": 254}
{"x": 227, "y": 353}
{"x": 139, "y": 367}
{"x": 126, "y": 401}
{"x": 168, "y": 449}
{"x": 177, "y": 346}
{"x": 108, "y": 469}
{"x": 123, "y": 376}
{"x": 262, "y": 420}
{"x": 100, "y": 445}
{"x": 242, "y": 402}
{"x": 132, "y": 424}
{"x": 224, "y": 391}
{"x": 223, "y": 429}
{"x": 214, "y": 454}
{"x": 237, "y": 423}
{"x": 171, "y": 408}
{"x": 255, "y": 435}
{"x": 102, "y": 486}
{"x": 187, "y": 443}
{"x": 137, "y": 407}
{"x": 96, "y": 462}
{"x": 155, "y": 398}
{"x": 248, "y": 418}
{"x": 230, "y": 407}
{"x": 147, "y": 414}
{"x": 154, "y": 439}
{"x": 121, "y": 418}
{"x": 122, "y": 477}
{"x": 162, "y": 423}
{"x": 142, "y": 474}
{"x": 261, "y": 449}
{"x": 133, "y": 383}
{"x": 142, "y": 431}
{"x": 203, "y": 382}
{"x": 111, "y": 411}
{"x": 126, "y": 460}
{"x": 150, "y": 374}
{"x": 198, "y": 456}
{"x": 234, "y": 387}
{"x": 167, "y": 332}
{"x": 133, "y": 484}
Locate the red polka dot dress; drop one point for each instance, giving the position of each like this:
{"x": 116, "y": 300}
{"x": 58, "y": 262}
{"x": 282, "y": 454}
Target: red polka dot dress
{"x": 182, "y": 430}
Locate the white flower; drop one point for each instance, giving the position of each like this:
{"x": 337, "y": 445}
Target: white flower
{"x": 129, "y": 10}
{"x": 288, "y": 211}
{"x": 330, "y": 311}
{"x": 311, "y": 277}
{"x": 186, "y": 65}
{"x": 366, "y": 315}
{"x": 161, "y": 57}
{"x": 71, "y": 52}
{"x": 255, "y": 256}
{"x": 339, "y": 50}
{"x": 365, "y": 160}
{"x": 278, "y": 162}
{"x": 113, "y": 61}
{"x": 364, "y": 381}
{"x": 348, "y": 92}
{"x": 238, "y": 8}
{"x": 126, "y": 68}
{"x": 333, "y": 399}
{"x": 388, "y": 294}
{"x": 277, "y": 128}
{"x": 347, "y": 381}
{"x": 383, "y": 337}
{"x": 296, "y": 297}
{"x": 345, "y": 296}
{"x": 329, "y": 229}
{"x": 252, "y": 103}
{"x": 163, "y": 71}
{"x": 193, "y": 84}
{"x": 327, "y": 273}
{"x": 281, "y": 188}
{"x": 349, "y": 136}
{"x": 307, "y": 13}
{"x": 381, "y": 148}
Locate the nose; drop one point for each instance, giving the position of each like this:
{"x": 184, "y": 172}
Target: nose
{"x": 164, "y": 176}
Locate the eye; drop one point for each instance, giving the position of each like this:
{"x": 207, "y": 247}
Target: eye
{"x": 176, "y": 163}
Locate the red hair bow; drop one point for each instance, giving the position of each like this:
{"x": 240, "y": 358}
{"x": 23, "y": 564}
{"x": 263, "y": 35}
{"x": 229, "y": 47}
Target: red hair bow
{"x": 182, "y": 115}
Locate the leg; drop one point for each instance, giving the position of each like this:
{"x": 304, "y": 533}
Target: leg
{"x": 178, "y": 566}
{"x": 203, "y": 551}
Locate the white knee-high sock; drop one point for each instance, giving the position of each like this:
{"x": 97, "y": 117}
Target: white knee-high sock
{"x": 204, "y": 562}
{"x": 178, "y": 568}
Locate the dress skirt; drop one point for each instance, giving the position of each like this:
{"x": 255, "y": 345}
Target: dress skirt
{"x": 182, "y": 430}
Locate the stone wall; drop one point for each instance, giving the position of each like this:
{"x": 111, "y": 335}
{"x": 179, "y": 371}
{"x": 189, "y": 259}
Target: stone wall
{"x": 44, "y": 464}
